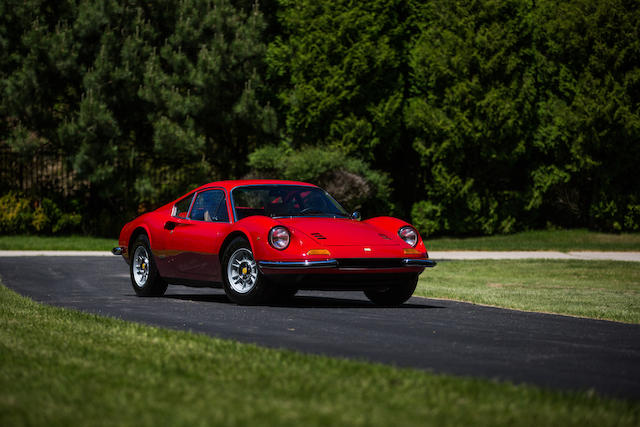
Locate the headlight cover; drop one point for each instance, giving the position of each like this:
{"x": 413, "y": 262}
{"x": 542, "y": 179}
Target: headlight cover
{"x": 409, "y": 235}
{"x": 279, "y": 237}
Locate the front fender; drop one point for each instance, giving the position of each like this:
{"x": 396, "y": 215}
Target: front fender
{"x": 392, "y": 225}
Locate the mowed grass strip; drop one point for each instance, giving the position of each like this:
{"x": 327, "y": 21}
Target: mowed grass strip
{"x": 56, "y": 243}
{"x": 597, "y": 289}
{"x": 61, "y": 367}
{"x": 541, "y": 240}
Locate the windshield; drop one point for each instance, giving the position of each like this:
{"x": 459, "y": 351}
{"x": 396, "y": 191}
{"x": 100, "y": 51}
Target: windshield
{"x": 284, "y": 200}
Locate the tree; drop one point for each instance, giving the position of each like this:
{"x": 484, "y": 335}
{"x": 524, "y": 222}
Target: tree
{"x": 342, "y": 78}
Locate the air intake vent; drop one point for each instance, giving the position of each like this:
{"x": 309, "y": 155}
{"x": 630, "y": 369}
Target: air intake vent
{"x": 370, "y": 263}
{"x": 384, "y": 236}
{"x": 318, "y": 236}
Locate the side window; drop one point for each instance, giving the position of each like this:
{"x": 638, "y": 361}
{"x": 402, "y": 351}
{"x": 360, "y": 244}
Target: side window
{"x": 181, "y": 208}
{"x": 211, "y": 206}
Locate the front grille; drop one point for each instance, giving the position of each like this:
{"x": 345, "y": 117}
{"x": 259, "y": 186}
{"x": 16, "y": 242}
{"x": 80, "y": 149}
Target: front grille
{"x": 370, "y": 263}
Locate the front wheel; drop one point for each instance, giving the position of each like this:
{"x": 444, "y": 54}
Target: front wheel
{"x": 145, "y": 279}
{"x": 243, "y": 282}
{"x": 393, "y": 295}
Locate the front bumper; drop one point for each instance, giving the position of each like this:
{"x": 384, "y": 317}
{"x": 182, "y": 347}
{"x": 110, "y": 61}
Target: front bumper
{"x": 342, "y": 264}
{"x": 344, "y": 273}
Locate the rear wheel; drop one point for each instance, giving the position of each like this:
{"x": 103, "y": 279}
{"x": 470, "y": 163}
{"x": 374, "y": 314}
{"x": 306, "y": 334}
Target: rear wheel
{"x": 393, "y": 295}
{"x": 145, "y": 279}
{"x": 243, "y": 282}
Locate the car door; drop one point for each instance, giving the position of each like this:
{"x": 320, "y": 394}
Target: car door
{"x": 193, "y": 239}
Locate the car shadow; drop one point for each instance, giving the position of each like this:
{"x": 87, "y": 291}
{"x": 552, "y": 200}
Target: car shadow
{"x": 303, "y": 301}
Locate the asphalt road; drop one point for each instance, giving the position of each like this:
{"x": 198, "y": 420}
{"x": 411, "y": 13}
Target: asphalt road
{"x": 440, "y": 336}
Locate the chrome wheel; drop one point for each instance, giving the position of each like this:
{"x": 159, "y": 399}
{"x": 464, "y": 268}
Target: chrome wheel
{"x": 242, "y": 271}
{"x": 140, "y": 266}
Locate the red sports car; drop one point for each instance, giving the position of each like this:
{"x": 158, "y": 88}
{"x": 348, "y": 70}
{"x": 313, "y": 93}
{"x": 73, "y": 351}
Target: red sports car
{"x": 262, "y": 239}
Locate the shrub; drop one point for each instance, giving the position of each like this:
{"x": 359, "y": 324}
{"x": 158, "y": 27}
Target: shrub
{"x": 351, "y": 181}
{"x": 23, "y": 215}
{"x": 16, "y": 214}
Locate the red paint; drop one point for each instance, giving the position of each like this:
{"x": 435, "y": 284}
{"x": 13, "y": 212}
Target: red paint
{"x": 190, "y": 250}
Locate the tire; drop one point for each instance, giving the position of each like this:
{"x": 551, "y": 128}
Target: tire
{"x": 394, "y": 295}
{"x": 145, "y": 279}
{"x": 243, "y": 283}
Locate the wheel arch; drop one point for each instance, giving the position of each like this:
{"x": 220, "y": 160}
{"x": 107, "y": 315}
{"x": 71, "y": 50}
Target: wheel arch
{"x": 227, "y": 241}
{"x": 138, "y": 231}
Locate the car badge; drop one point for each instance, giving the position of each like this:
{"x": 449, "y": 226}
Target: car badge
{"x": 367, "y": 249}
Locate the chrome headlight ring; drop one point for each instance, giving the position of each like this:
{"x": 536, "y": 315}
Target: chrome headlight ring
{"x": 409, "y": 235}
{"x": 279, "y": 237}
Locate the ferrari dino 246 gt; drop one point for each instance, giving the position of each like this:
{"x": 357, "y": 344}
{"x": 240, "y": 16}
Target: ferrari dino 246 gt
{"x": 262, "y": 239}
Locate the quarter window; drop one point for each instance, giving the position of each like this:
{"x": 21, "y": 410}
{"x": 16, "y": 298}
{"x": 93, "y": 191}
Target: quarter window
{"x": 181, "y": 208}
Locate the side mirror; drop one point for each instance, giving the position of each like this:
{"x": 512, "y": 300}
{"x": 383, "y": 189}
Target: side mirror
{"x": 356, "y": 216}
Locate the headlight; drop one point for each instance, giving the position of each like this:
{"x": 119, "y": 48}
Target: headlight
{"x": 409, "y": 235}
{"x": 279, "y": 238}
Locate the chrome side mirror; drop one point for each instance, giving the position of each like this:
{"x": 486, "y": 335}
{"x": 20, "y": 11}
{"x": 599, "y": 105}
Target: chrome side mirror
{"x": 356, "y": 216}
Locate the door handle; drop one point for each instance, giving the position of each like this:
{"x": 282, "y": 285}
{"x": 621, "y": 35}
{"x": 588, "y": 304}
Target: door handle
{"x": 170, "y": 225}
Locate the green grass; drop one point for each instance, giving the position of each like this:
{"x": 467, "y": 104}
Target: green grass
{"x": 57, "y": 243}
{"x": 596, "y": 289}
{"x": 542, "y": 240}
{"x": 60, "y": 367}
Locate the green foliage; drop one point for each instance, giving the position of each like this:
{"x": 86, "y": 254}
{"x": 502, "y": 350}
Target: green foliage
{"x": 473, "y": 113}
{"x": 527, "y": 112}
{"x": 492, "y": 116}
{"x": 20, "y": 215}
{"x": 147, "y": 100}
{"x": 351, "y": 181}
{"x": 340, "y": 72}
{"x": 495, "y": 115}
{"x": 15, "y": 214}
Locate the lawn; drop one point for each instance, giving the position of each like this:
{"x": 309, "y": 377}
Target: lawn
{"x": 57, "y": 243}
{"x": 542, "y": 240}
{"x": 61, "y": 367}
{"x": 597, "y": 289}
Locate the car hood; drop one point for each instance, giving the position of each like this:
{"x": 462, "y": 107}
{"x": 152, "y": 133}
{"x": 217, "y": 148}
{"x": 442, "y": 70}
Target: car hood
{"x": 339, "y": 231}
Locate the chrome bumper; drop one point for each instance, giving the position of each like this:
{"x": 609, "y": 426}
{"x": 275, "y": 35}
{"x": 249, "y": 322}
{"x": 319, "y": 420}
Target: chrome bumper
{"x": 284, "y": 265}
{"x": 333, "y": 263}
{"x": 412, "y": 262}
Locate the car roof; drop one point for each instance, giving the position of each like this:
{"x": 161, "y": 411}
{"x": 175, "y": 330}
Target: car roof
{"x": 231, "y": 184}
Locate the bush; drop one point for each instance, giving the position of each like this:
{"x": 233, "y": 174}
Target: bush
{"x": 351, "y": 181}
{"x": 16, "y": 214}
{"x": 23, "y": 215}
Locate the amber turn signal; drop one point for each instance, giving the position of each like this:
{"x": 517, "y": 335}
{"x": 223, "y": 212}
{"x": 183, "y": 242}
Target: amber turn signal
{"x": 411, "y": 251}
{"x": 318, "y": 252}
